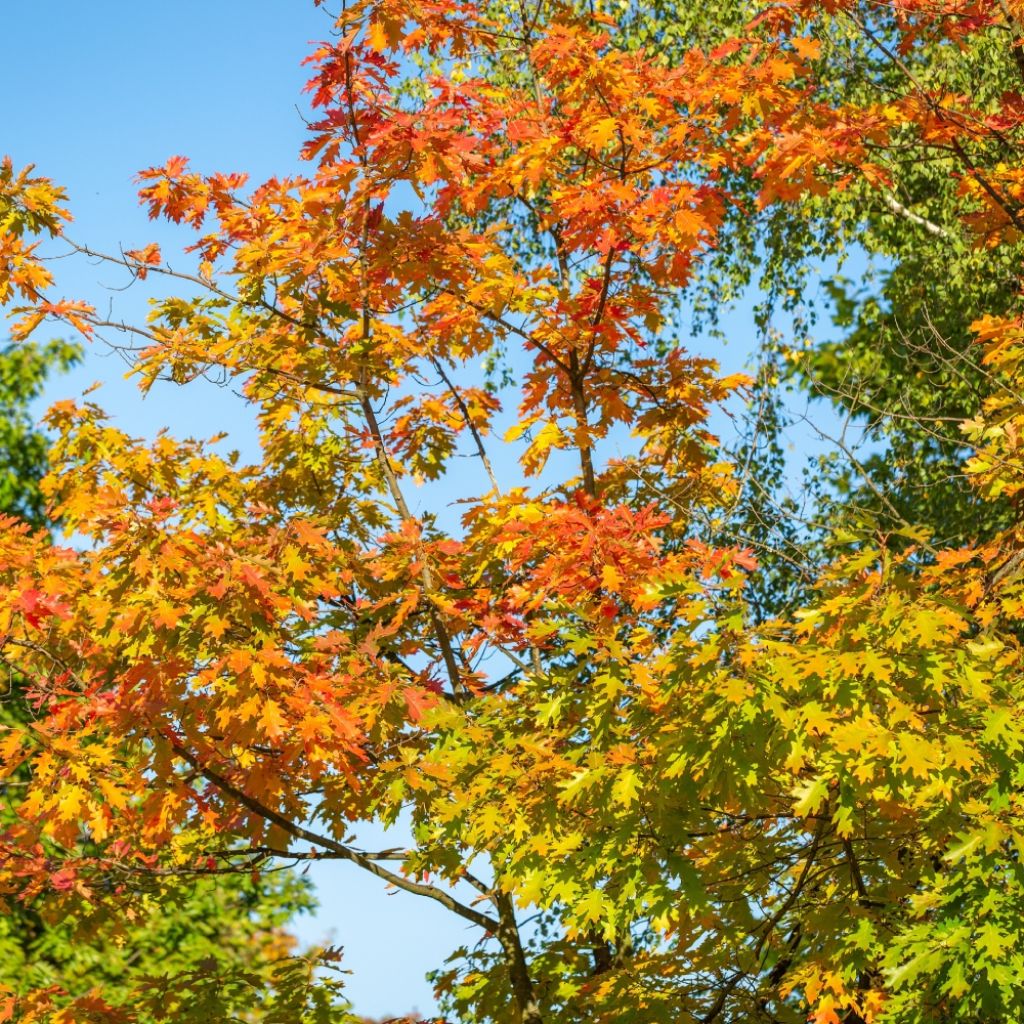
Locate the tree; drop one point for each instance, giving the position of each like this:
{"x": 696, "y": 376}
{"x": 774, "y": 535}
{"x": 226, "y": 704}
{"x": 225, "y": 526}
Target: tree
{"x": 214, "y": 931}
{"x": 649, "y": 806}
{"x": 904, "y": 371}
{"x": 904, "y": 366}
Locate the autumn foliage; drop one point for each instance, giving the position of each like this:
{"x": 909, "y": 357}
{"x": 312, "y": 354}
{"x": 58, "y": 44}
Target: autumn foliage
{"x": 704, "y": 815}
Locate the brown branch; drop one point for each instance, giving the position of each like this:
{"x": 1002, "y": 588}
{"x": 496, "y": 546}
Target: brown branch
{"x": 518, "y": 969}
{"x": 579, "y": 401}
{"x": 383, "y": 460}
{"x": 366, "y": 862}
{"x": 470, "y": 425}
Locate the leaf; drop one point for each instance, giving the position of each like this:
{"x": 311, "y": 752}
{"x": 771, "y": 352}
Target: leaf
{"x": 70, "y": 802}
{"x": 272, "y": 720}
{"x": 592, "y": 908}
{"x": 964, "y": 849}
{"x": 810, "y": 796}
{"x": 601, "y": 132}
{"x": 626, "y": 788}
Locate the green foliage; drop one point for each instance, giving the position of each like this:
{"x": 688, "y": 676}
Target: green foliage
{"x": 23, "y": 371}
{"x": 205, "y": 950}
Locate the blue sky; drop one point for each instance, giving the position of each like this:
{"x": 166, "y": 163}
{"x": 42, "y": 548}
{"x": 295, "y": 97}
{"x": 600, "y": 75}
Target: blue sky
{"x": 95, "y": 91}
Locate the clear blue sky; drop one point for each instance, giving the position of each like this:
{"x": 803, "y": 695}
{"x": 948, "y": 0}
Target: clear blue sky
{"x": 95, "y": 91}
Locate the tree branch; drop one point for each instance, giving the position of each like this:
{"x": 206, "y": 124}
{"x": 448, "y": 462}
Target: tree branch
{"x": 365, "y": 861}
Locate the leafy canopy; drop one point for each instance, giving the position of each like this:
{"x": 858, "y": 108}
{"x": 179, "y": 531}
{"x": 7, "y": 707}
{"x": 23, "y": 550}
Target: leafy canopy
{"x": 650, "y": 803}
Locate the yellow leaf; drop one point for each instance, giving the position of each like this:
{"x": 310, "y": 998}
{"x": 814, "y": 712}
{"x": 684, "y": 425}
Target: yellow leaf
{"x": 272, "y": 721}
{"x": 810, "y": 796}
{"x": 610, "y": 578}
{"x": 70, "y": 802}
{"x": 601, "y": 132}
{"x": 626, "y": 787}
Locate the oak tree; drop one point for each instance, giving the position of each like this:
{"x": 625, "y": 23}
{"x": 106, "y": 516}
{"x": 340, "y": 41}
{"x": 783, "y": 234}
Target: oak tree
{"x": 649, "y": 804}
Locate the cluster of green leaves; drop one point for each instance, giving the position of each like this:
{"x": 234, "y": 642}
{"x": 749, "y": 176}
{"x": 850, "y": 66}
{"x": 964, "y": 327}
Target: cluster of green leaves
{"x": 23, "y": 372}
{"x": 898, "y": 363}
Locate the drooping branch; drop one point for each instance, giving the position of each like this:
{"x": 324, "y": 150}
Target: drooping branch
{"x": 470, "y": 425}
{"x": 340, "y": 850}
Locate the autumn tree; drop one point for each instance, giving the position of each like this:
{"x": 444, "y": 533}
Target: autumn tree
{"x": 182, "y": 927}
{"x": 901, "y": 368}
{"x": 903, "y": 363}
{"x": 650, "y": 804}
